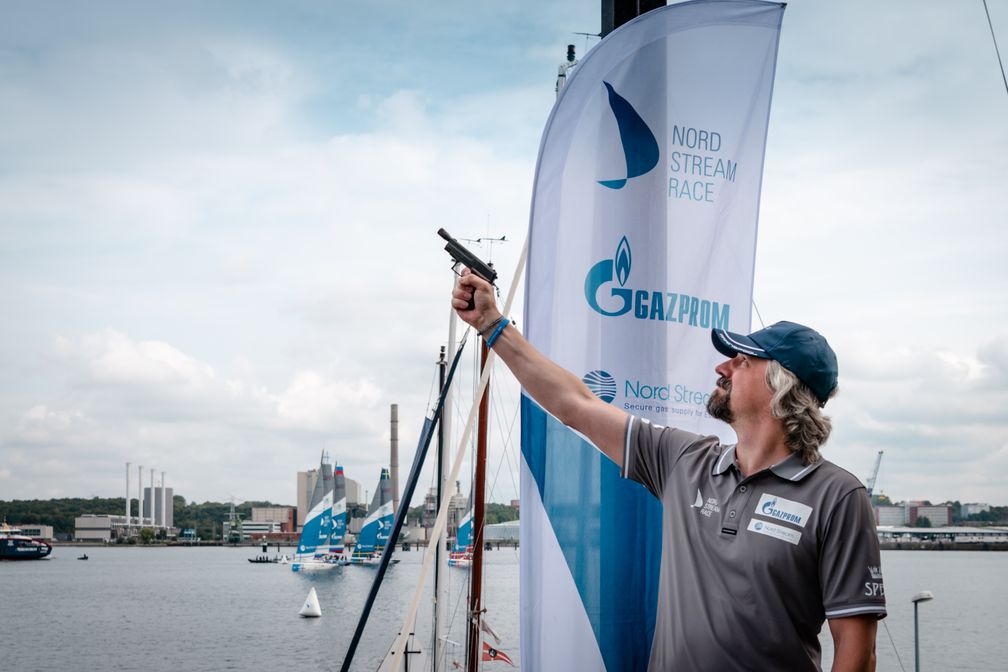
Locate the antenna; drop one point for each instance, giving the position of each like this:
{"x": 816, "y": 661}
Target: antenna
{"x": 489, "y": 241}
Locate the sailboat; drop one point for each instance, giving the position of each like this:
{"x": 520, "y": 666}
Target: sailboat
{"x": 461, "y": 553}
{"x": 339, "y": 516}
{"x": 313, "y": 549}
{"x": 377, "y": 528}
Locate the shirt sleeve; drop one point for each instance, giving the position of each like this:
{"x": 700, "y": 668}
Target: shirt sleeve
{"x": 850, "y": 566}
{"x": 652, "y": 451}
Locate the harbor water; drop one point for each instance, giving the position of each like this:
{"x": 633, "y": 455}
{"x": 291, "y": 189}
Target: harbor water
{"x": 174, "y": 609}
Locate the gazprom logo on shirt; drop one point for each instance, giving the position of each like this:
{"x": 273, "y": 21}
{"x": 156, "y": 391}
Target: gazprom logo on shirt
{"x": 646, "y": 304}
{"x": 773, "y": 506}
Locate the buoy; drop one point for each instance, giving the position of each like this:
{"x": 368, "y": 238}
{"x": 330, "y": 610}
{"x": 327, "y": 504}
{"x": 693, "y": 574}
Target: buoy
{"x": 311, "y": 608}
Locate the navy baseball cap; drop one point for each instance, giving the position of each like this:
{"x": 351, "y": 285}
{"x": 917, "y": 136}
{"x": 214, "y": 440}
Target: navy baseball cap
{"x": 800, "y": 350}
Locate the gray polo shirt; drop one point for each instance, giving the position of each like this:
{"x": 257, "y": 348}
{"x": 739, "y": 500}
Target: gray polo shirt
{"x": 751, "y": 566}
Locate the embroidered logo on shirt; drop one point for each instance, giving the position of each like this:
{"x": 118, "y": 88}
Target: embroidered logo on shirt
{"x": 773, "y": 506}
{"x": 774, "y": 530}
{"x": 876, "y": 572}
{"x": 706, "y": 508}
{"x": 698, "y": 504}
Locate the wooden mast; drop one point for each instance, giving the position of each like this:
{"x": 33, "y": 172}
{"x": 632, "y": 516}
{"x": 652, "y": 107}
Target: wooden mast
{"x": 479, "y": 492}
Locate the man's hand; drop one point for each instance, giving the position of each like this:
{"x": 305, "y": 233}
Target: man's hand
{"x": 471, "y": 286}
{"x": 560, "y": 392}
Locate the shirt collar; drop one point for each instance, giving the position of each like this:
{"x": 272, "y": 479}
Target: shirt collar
{"x": 790, "y": 468}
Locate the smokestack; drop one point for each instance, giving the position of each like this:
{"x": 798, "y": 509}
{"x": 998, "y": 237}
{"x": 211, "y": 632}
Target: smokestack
{"x": 164, "y": 511}
{"x": 127, "y": 499}
{"x": 394, "y": 458}
{"x": 139, "y": 496}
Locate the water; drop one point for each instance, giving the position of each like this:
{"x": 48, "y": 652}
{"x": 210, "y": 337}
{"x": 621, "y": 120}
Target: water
{"x": 961, "y": 629}
{"x": 177, "y": 609}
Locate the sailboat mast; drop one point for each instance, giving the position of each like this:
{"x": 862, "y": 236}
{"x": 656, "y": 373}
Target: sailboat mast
{"x": 479, "y": 491}
{"x": 439, "y": 575}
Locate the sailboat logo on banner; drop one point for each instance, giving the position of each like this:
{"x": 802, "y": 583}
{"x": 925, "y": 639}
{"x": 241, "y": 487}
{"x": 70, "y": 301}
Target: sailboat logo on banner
{"x": 639, "y": 145}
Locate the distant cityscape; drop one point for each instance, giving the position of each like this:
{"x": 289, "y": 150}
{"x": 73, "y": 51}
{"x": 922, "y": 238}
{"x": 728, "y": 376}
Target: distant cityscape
{"x": 150, "y": 515}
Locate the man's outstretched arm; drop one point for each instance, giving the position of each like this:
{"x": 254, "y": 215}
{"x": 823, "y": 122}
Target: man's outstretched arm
{"x": 554, "y": 388}
{"x": 854, "y": 643}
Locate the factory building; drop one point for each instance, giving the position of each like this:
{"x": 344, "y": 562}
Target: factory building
{"x": 164, "y": 506}
{"x": 305, "y": 485}
{"x": 283, "y": 515}
{"x": 92, "y": 527}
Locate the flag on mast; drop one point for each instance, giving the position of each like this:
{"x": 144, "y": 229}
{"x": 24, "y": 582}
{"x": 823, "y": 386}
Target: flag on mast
{"x": 491, "y": 654}
{"x": 642, "y": 239}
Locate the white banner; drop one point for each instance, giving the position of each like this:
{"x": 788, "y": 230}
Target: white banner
{"x": 642, "y": 240}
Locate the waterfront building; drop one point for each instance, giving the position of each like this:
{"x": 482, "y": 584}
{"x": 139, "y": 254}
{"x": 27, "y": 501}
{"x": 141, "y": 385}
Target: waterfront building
{"x": 36, "y": 531}
{"x": 253, "y": 530}
{"x": 973, "y": 508}
{"x": 956, "y": 534}
{"x": 501, "y": 532}
{"x": 95, "y": 527}
{"x": 939, "y": 516}
{"x": 890, "y": 515}
{"x": 284, "y": 515}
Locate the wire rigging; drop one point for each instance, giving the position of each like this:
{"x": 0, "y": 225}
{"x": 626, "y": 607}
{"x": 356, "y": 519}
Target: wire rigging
{"x": 996, "y": 50}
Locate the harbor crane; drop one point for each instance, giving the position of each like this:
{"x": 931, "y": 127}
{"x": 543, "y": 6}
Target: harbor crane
{"x": 874, "y": 474}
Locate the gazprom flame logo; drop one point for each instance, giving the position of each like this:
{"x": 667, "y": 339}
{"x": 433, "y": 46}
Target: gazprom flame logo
{"x": 603, "y": 272}
{"x": 639, "y": 145}
{"x": 602, "y": 385}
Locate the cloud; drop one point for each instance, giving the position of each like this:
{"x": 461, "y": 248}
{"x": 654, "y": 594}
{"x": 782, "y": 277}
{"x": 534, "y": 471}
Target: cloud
{"x": 149, "y": 401}
{"x": 939, "y": 417}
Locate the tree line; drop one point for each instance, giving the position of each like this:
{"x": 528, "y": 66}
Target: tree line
{"x": 205, "y": 518}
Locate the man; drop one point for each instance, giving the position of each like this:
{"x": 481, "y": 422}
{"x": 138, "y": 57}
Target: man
{"x": 762, "y": 540}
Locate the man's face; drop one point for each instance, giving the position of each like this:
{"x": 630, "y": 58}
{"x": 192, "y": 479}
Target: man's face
{"x": 741, "y": 389}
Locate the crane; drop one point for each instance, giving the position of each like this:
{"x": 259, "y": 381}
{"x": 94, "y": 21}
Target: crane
{"x": 874, "y": 474}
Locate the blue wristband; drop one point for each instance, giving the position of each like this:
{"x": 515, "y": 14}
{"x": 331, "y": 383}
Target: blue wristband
{"x": 497, "y": 332}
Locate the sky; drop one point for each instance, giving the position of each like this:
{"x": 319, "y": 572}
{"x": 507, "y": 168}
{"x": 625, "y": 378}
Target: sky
{"x": 217, "y": 249}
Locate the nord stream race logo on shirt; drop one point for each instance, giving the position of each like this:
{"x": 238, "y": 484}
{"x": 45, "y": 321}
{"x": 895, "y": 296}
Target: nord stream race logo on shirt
{"x": 646, "y": 304}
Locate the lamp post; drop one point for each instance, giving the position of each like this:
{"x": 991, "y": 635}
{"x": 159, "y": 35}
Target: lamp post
{"x": 922, "y": 596}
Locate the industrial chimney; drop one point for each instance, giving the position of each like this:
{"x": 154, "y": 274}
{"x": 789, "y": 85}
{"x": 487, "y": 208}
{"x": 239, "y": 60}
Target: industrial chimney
{"x": 394, "y": 458}
{"x": 127, "y": 499}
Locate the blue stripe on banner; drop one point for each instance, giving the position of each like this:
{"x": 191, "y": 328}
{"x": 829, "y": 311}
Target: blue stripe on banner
{"x": 615, "y": 565}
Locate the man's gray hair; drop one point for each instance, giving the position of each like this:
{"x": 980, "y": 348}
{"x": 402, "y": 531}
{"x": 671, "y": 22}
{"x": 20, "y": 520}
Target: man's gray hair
{"x": 805, "y": 426}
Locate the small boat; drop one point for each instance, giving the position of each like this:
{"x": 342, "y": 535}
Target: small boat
{"x": 82, "y": 557}
{"x": 259, "y": 560}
